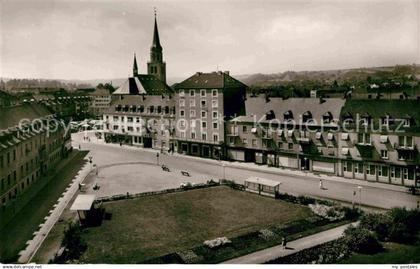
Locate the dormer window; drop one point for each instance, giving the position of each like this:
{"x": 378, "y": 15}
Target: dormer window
{"x": 151, "y": 109}
{"x": 307, "y": 116}
{"x": 126, "y": 108}
{"x": 140, "y": 109}
{"x": 270, "y": 115}
{"x": 288, "y": 115}
{"x": 347, "y": 117}
{"x": 327, "y": 117}
{"x": 365, "y": 119}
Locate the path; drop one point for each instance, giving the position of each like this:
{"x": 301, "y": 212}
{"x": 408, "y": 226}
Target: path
{"x": 269, "y": 254}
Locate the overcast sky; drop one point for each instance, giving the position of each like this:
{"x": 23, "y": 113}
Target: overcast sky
{"x": 97, "y": 39}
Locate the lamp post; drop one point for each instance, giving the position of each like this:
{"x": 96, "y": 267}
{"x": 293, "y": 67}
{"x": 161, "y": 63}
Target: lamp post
{"x": 157, "y": 158}
{"x": 360, "y": 195}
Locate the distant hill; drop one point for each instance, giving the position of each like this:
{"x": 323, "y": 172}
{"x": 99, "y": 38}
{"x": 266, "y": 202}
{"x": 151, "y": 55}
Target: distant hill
{"x": 329, "y": 76}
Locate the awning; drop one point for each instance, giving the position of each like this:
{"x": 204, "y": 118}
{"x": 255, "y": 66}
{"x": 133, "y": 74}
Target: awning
{"x": 383, "y": 138}
{"x": 290, "y": 133}
{"x": 344, "y": 136}
{"x": 83, "y": 202}
{"x": 254, "y": 130}
{"x": 279, "y": 132}
{"x": 318, "y": 135}
{"x": 345, "y": 151}
{"x": 330, "y": 136}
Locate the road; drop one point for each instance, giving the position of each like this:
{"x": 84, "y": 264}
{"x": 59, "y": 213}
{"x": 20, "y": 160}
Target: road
{"x": 125, "y": 169}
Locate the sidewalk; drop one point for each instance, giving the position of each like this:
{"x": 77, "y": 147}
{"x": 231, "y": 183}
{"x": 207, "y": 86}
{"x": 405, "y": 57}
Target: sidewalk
{"x": 32, "y": 246}
{"x": 269, "y": 254}
{"x": 259, "y": 168}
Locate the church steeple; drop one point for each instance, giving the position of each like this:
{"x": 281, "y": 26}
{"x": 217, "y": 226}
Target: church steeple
{"x": 135, "y": 68}
{"x": 156, "y": 66}
{"x": 156, "y": 41}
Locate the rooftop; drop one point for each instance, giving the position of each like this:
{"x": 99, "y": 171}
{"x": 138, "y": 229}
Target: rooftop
{"x": 216, "y": 80}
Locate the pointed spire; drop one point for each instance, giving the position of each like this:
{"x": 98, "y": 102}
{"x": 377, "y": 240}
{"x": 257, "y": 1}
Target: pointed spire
{"x": 156, "y": 41}
{"x": 135, "y": 68}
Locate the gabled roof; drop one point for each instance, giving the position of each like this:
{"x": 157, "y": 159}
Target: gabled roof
{"x": 143, "y": 84}
{"x": 213, "y": 80}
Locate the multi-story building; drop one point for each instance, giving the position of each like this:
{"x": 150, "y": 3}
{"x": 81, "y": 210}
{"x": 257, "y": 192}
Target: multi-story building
{"x": 143, "y": 114}
{"x": 296, "y": 133}
{"x": 203, "y": 102}
{"x": 381, "y": 141}
{"x": 375, "y": 140}
{"x": 31, "y": 143}
{"x": 101, "y": 101}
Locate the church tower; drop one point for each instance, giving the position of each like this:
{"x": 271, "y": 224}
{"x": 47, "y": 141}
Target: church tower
{"x": 135, "y": 68}
{"x": 156, "y": 66}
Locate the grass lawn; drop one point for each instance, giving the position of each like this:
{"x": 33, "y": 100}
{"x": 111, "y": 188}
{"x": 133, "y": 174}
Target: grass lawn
{"x": 20, "y": 229}
{"x": 394, "y": 254}
{"x": 148, "y": 227}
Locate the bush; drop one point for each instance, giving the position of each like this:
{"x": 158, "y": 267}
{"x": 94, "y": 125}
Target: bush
{"x": 361, "y": 240}
{"x": 397, "y": 225}
{"x": 379, "y": 223}
{"x": 327, "y": 212}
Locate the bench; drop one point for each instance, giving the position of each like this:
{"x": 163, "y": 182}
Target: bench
{"x": 185, "y": 173}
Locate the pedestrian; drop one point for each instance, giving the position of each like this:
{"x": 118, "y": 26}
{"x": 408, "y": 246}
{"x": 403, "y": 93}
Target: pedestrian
{"x": 321, "y": 184}
{"x": 283, "y": 242}
{"x": 79, "y": 147}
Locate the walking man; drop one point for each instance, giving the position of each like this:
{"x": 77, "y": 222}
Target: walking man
{"x": 283, "y": 242}
{"x": 321, "y": 184}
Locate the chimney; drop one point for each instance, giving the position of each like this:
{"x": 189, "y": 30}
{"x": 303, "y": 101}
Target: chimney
{"x": 226, "y": 72}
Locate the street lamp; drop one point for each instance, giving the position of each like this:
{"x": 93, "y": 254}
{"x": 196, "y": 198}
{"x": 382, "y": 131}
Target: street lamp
{"x": 157, "y": 158}
{"x": 360, "y": 195}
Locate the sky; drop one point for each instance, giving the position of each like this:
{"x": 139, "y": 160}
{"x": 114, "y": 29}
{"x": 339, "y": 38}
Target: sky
{"x": 62, "y": 39}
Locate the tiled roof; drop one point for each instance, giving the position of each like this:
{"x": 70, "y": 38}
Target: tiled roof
{"x": 298, "y": 106}
{"x": 144, "y": 84}
{"x": 396, "y": 109}
{"x": 11, "y": 116}
{"x": 210, "y": 81}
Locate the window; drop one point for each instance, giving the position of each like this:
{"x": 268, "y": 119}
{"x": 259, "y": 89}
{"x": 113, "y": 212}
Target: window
{"x": 203, "y": 103}
{"x": 347, "y": 166}
{"x": 203, "y": 93}
{"x": 182, "y": 134}
{"x": 182, "y": 123}
{"x": 203, "y": 114}
{"x": 290, "y": 146}
{"x": 192, "y": 92}
{"x": 182, "y": 113}
{"x": 214, "y": 103}
{"x": 192, "y": 135}
{"x": 214, "y": 92}
{"x": 405, "y": 141}
{"x": 192, "y": 102}
{"x": 383, "y": 171}
{"x": 363, "y": 138}
{"x": 244, "y": 129}
{"x": 215, "y": 114}
{"x": 245, "y": 141}
{"x": 279, "y": 145}
{"x": 254, "y": 142}
{"x": 203, "y": 124}
{"x": 192, "y": 113}
{"x": 215, "y": 125}
{"x": 181, "y": 102}
{"x": 406, "y": 122}
{"x": 193, "y": 123}
{"x": 181, "y": 93}
{"x": 231, "y": 140}
{"x": 358, "y": 168}
{"x": 384, "y": 154}
{"x": 216, "y": 137}
{"x": 204, "y": 136}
